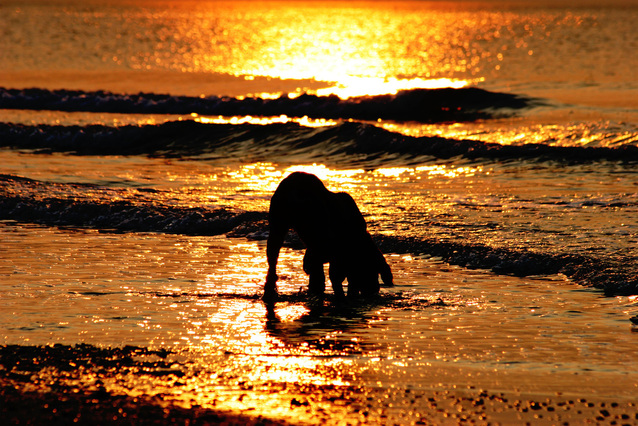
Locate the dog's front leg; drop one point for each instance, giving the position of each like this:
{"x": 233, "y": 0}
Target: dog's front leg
{"x": 337, "y": 277}
{"x": 275, "y": 241}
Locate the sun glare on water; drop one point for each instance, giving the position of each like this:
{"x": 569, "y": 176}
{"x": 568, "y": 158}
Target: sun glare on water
{"x": 361, "y": 49}
{"x": 303, "y": 121}
{"x": 350, "y": 87}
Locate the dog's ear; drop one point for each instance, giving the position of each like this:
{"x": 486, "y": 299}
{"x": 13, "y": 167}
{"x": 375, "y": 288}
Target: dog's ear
{"x": 386, "y": 274}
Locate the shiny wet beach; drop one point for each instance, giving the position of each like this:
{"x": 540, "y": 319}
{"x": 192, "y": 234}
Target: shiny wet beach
{"x": 132, "y": 230}
{"x": 442, "y": 329}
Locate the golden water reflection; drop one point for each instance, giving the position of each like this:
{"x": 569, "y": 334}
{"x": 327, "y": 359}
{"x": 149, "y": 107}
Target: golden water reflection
{"x": 326, "y": 41}
{"x": 423, "y": 200}
{"x": 303, "y": 121}
{"x": 555, "y": 127}
{"x": 198, "y": 298}
{"x": 561, "y": 129}
{"x": 338, "y": 42}
{"x": 357, "y": 86}
{"x": 352, "y": 87}
{"x": 259, "y": 180}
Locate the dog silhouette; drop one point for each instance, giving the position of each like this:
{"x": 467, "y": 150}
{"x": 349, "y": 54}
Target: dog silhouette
{"x": 333, "y": 230}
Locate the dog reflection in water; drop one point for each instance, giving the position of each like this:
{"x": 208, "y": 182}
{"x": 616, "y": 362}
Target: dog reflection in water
{"x": 333, "y": 231}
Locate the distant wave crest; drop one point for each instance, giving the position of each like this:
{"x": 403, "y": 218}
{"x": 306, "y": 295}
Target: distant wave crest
{"x": 421, "y": 105}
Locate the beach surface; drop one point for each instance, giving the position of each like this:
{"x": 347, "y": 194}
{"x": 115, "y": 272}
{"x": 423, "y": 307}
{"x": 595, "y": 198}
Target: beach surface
{"x": 194, "y": 343}
{"x": 57, "y": 398}
{"x": 492, "y": 148}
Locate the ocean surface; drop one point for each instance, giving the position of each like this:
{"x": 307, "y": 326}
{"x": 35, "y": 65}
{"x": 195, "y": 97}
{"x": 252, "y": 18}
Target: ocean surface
{"x": 491, "y": 146}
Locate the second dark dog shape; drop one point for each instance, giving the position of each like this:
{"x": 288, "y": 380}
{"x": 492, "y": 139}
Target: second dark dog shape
{"x": 333, "y": 231}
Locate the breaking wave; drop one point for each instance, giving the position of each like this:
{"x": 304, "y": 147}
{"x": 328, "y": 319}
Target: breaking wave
{"x": 348, "y": 144}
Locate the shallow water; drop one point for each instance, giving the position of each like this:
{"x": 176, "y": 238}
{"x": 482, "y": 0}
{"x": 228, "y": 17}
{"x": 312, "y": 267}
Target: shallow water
{"x": 164, "y": 287}
{"x": 440, "y": 328}
{"x": 586, "y": 209}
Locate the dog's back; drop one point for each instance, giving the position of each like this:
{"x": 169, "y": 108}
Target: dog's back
{"x": 320, "y": 217}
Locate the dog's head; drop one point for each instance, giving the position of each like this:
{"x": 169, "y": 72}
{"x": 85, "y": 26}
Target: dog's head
{"x": 363, "y": 281}
{"x": 365, "y": 267}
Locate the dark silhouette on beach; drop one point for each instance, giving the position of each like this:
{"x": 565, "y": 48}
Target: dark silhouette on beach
{"x": 333, "y": 231}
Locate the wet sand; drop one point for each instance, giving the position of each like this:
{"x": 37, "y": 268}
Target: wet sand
{"x": 47, "y": 385}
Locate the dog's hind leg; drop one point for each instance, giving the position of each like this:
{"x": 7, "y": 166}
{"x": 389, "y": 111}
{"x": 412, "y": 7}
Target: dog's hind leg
{"x": 313, "y": 266}
{"x": 337, "y": 276}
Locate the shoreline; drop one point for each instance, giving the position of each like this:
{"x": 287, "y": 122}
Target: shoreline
{"x": 204, "y": 350}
